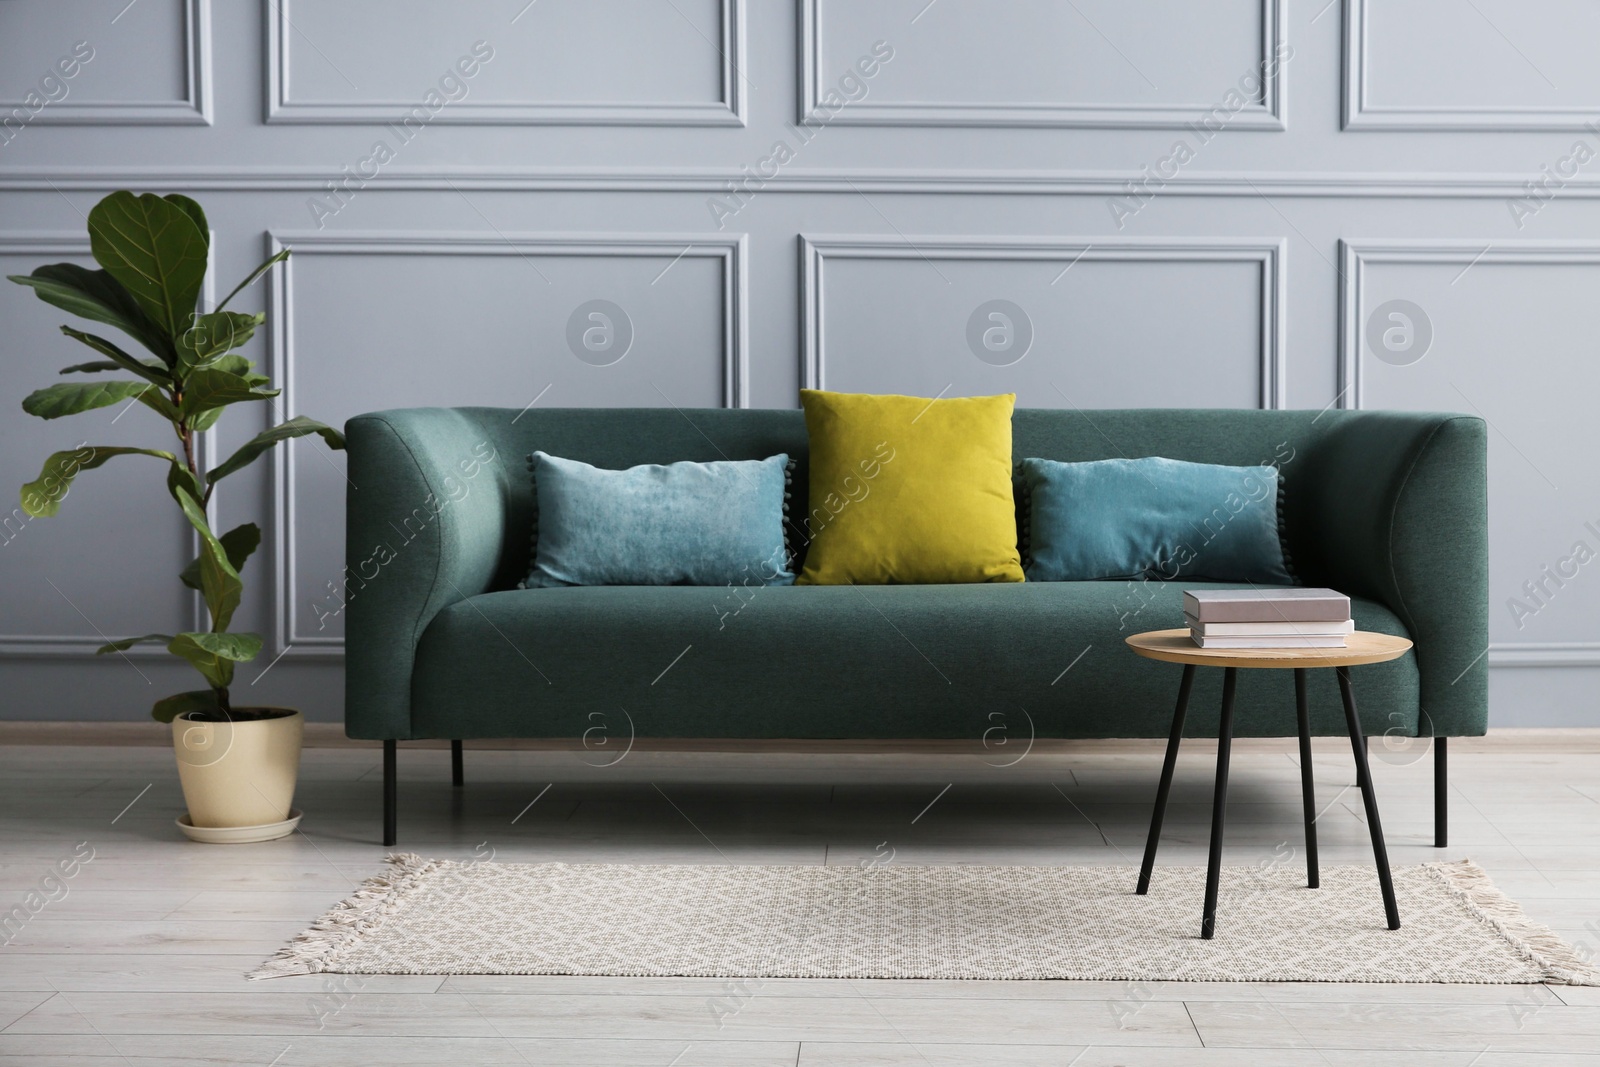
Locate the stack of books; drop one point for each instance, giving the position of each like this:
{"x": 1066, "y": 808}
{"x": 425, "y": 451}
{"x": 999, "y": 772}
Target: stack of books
{"x": 1267, "y": 618}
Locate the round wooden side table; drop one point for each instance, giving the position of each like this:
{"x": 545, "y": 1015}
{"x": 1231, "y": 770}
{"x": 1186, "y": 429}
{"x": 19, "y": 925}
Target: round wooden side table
{"x": 1175, "y": 646}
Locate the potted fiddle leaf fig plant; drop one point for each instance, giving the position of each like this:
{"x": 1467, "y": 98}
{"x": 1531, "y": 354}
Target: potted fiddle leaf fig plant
{"x": 238, "y": 765}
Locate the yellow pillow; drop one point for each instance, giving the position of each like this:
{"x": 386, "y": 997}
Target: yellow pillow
{"x": 909, "y": 490}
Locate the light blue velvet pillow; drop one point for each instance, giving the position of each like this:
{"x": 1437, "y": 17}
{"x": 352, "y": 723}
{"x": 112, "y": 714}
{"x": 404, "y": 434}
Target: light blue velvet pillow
{"x": 678, "y": 524}
{"x": 1151, "y": 518}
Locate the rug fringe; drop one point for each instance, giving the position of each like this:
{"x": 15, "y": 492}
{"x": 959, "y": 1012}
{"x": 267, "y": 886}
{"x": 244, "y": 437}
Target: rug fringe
{"x": 1535, "y": 942}
{"x": 317, "y": 949}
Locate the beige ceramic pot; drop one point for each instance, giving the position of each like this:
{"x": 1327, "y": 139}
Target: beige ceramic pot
{"x": 239, "y": 776}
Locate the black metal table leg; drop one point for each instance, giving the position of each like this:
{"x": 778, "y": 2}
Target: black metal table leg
{"x": 390, "y": 792}
{"x": 1308, "y": 791}
{"x": 458, "y": 774}
{"x": 1219, "y": 804}
{"x": 1167, "y": 766}
{"x": 1370, "y": 798}
{"x": 1441, "y": 793}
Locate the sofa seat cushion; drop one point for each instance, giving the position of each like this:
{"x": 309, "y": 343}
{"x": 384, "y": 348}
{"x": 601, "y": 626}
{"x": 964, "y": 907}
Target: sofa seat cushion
{"x": 932, "y": 661}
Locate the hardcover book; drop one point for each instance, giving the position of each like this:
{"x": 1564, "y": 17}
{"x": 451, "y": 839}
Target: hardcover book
{"x": 1268, "y": 629}
{"x": 1281, "y": 641}
{"x": 1266, "y": 605}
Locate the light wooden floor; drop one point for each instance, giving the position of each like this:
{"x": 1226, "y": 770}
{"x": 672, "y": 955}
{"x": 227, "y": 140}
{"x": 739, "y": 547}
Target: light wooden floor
{"x": 141, "y": 961}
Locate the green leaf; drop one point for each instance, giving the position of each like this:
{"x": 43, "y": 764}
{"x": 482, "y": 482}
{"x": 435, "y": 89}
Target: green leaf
{"x": 91, "y": 368}
{"x": 219, "y": 581}
{"x": 118, "y": 357}
{"x": 299, "y": 426}
{"x": 214, "y": 654}
{"x": 73, "y": 398}
{"x": 235, "y": 648}
{"x": 237, "y": 543}
{"x": 234, "y": 364}
{"x": 212, "y": 336}
{"x": 42, "y": 497}
{"x": 180, "y": 480}
{"x": 128, "y": 642}
{"x": 193, "y": 210}
{"x": 210, "y": 388}
{"x": 169, "y": 708}
{"x": 244, "y": 368}
{"x": 153, "y": 247}
{"x": 96, "y": 295}
{"x": 258, "y": 272}
{"x": 206, "y": 419}
{"x": 157, "y": 401}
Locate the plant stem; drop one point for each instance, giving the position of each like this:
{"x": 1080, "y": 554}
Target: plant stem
{"x": 186, "y": 435}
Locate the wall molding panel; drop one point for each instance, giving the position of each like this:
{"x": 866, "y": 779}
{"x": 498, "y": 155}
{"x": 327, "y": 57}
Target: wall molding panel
{"x": 1268, "y": 115}
{"x": 1359, "y": 113}
{"x": 194, "y": 109}
{"x": 730, "y": 110}
{"x": 1354, "y": 256}
{"x": 730, "y": 249}
{"x": 816, "y": 250}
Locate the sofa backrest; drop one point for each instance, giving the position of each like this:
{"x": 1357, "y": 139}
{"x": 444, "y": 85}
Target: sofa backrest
{"x": 625, "y": 437}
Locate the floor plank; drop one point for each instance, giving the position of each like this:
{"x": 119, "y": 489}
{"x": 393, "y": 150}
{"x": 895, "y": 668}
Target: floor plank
{"x": 922, "y": 1054}
{"x": 16, "y": 1005}
{"x": 259, "y": 1014}
{"x": 325, "y": 1050}
{"x": 1389, "y": 1026}
{"x": 838, "y": 1017}
{"x": 150, "y": 972}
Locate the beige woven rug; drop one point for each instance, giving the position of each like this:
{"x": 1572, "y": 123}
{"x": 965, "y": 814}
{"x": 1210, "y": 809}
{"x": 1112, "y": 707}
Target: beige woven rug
{"x": 439, "y": 917}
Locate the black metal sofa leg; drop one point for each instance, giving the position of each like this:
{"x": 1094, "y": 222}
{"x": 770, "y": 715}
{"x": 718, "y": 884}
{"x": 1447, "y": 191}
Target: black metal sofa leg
{"x": 1441, "y": 793}
{"x": 458, "y": 774}
{"x": 390, "y": 792}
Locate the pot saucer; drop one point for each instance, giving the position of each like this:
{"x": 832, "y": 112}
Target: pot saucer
{"x": 239, "y": 835}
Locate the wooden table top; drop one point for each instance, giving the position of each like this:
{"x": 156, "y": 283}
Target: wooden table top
{"x": 1176, "y": 646}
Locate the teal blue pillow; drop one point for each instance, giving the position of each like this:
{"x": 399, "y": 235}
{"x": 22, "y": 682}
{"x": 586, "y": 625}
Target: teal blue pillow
{"x": 678, "y": 524}
{"x": 1151, "y": 518}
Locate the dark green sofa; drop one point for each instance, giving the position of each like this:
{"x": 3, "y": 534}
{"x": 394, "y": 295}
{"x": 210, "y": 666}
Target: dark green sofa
{"x": 1389, "y": 507}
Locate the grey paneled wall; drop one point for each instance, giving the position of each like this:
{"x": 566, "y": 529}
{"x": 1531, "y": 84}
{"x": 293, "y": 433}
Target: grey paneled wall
{"x": 599, "y": 62}
{"x": 709, "y": 202}
{"x": 1065, "y": 77}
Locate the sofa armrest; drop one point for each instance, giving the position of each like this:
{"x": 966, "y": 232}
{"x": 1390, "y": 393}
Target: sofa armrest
{"x": 1399, "y": 513}
{"x": 425, "y": 527}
